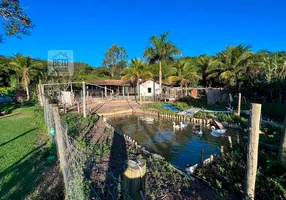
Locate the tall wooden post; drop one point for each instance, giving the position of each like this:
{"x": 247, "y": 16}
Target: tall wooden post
{"x": 105, "y": 91}
{"x": 239, "y": 104}
{"x": 252, "y": 152}
{"x": 61, "y": 143}
{"x": 282, "y": 149}
{"x": 83, "y": 99}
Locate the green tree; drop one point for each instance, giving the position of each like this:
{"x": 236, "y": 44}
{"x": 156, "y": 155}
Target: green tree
{"x": 273, "y": 70}
{"x": 136, "y": 71}
{"x": 26, "y": 68}
{"x": 233, "y": 63}
{"x": 161, "y": 49}
{"x": 185, "y": 73}
{"x": 115, "y": 59}
{"x": 203, "y": 63}
{"x": 15, "y": 21}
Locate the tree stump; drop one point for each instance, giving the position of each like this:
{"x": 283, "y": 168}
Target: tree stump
{"x": 134, "y": 179}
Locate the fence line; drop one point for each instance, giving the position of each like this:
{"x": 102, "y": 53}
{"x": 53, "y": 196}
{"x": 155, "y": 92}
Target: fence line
{"x": 75, "y": 162}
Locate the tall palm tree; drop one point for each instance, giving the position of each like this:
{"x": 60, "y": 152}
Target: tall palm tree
{"x": 233, "y": 63}
{"x": 135, "y": 72}
{"x": 161, "y": 49}
{"x": 25, "y": 67}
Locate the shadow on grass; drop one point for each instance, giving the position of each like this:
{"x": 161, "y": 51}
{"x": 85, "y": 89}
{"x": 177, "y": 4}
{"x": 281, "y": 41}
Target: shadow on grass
{"x": 10, "y": 107}
{"x": 21, "y": 178}
{"x": 116, "y": 166}
{"x": 8, "y": 116}
{"x": 17, "y": 137}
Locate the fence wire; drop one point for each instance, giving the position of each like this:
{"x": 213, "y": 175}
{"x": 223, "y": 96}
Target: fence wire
{"x": 77, "y": 163}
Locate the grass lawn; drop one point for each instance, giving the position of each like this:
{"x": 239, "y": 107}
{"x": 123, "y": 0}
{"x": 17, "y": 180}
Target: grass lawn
{"x": 22, "y": 148}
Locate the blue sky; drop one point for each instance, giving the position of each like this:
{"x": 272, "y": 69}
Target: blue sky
{"x": 90, "y": 27}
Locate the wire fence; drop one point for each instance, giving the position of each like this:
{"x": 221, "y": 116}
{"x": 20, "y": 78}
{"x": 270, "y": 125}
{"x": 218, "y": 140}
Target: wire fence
{"x": 78, "y": 162}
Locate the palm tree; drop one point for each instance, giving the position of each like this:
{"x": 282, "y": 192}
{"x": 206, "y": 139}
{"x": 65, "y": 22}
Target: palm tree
{"x": 135, "y": 72}
{"x": 161, "y": 49}
{"x": 206, "y": 62}
{"x": 25, "y": 67}
{"x": 185, "y": 73}
{"x": 233, "y": 63}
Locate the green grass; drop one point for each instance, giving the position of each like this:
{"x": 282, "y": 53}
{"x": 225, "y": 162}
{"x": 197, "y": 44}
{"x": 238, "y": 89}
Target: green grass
{"x": 157, "y": 107}
{"x": 22, "y": 148}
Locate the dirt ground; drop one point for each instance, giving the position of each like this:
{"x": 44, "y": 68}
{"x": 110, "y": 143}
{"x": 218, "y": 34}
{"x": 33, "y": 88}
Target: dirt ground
{"x": 113, "y": 106}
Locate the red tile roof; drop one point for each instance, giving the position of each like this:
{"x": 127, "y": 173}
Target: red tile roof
{"x": 111, "y": 83}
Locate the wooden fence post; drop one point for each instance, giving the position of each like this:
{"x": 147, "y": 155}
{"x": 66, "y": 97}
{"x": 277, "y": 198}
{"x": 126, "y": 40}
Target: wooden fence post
{"x": 61, "y": 144}
{"x": 252, "y": 152}
{"x": 239, "y": 104}
{"x": 202, "y": 157}
{"x": 282, "y": 149}
{"x": 83, "y": 99}
{"x": 230, "y": 141}
{"x": 134, "y": 179}
{"x": 221, "y": 150}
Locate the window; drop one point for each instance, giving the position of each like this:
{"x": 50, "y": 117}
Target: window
{"x": 149, "y": 90}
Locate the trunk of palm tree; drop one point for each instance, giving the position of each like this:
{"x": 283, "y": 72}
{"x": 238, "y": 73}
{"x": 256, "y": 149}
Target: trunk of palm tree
{"x": 27, "y": 91}
{"x": 137, "y": 91}
{"x": 160, "y": 75}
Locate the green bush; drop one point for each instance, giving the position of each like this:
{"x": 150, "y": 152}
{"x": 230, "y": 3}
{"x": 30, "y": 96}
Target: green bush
{"x": 181, "y": 105}
{"x": 226, "y": 175}
{"x": 77, "y": 123}
{"x": 158, "y": 107}
{"x": 8, "y": 91}
{"x": 202, "y": 115}
{"x": 232, "y": 119}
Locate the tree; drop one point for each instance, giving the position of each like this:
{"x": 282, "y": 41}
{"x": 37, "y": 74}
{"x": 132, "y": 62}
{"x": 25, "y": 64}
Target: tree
{"x": 25, "y": 67}
{"x": 185, "y": 73}
{"x": 273, "y": 71}
{"x": 136, "y": 71}
{"x": 16, "y": 22}
{"x": 206, "y": 62}
{"x": 161, "y": 49}
{"x": 233, "y": 63}
{"x": 113, "y": 59}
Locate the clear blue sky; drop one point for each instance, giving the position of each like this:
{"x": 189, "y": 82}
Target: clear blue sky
{"x": 90, "y": 27}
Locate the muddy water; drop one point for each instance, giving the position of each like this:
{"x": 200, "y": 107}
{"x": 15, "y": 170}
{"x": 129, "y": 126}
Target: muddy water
{"x": 180, "y": 147}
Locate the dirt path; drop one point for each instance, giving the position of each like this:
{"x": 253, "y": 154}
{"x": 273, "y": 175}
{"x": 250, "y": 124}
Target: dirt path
{"x": 114, "y": 106}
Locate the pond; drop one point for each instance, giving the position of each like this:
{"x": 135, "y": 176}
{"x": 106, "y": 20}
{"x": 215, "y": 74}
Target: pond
{"x": 180, "y": 147}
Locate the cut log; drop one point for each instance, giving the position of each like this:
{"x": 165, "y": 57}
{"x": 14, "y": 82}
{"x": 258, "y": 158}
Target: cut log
{"x": 219, "y": 124}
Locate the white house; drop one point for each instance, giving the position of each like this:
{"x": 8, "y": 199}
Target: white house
{"x": 146, "y": 88}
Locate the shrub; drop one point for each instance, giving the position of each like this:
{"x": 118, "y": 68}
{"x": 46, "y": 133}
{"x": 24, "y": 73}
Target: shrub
{"x": 202, "y": 115}
{"x": 8, "y": 91}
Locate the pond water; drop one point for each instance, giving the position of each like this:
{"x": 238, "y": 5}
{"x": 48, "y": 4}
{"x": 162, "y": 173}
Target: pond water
{"x": 180, "y": 147}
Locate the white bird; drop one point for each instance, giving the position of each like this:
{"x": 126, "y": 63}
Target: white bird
{"x": 176, "y": 126}
{"x": 200, "y": 131}
{"x": 183, "y": 125}
{"x": 217, "y": 132}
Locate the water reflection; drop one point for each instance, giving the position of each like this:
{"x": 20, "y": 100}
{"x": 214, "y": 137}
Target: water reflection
{"x": 180, "y": 147}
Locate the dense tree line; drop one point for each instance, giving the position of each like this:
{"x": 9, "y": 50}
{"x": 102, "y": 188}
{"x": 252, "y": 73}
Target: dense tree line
{"x": 235, "y": 67}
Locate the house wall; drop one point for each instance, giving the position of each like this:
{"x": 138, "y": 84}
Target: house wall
{"x": 149, "y": 84}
